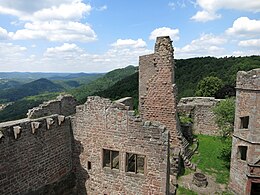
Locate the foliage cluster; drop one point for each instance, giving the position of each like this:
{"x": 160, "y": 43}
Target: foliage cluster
{"x": 185, "y": 119}
{"x": 208, "y": 86}
{"x": 225, "y": 116}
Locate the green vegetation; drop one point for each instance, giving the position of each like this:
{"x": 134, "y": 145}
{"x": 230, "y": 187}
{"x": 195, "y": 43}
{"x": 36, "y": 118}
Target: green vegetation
{"x": 81, "y": 93}
{"x": 207, "y": 160}
{"x": 118, "y": 83}
{"x": 127, "y": 87}
{"x": 208, "y": 86}
{"x": 29, "y": 89}
{"x": 225, "y": 116}
{"x": 185, "y": 120}
{"x": 189, "y": 72}
{"x": 183, "y": 191}
{"x": 18, "y": 109}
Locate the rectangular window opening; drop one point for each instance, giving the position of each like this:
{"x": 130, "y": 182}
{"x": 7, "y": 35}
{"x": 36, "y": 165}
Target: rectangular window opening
{"x": 244, "y": 122}
{"x": 242, "y": 152}
{"x": 135, "y": 163}
{"x": 89, "y": 165}
{"x": 111, "y": 159}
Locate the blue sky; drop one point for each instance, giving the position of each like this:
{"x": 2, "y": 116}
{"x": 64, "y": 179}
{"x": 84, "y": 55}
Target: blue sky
{"x": 101, "y": 35}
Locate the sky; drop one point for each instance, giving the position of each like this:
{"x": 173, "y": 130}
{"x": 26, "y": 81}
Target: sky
{"x": 102, "y": 35}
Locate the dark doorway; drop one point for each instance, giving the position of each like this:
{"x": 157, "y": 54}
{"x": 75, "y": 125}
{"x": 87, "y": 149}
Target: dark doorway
{"x": 255, "y": 189}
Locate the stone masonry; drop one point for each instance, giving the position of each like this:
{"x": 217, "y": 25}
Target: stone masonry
{"x": 63, "y": 105}
{"x": 33, "y": 156}
{"x": 245, "y": 158}
{"x": 101, "y": 124}
{"x": 200, "y": 109}
{"x": 157, "y": 91}
{"x": 103, "y": 148}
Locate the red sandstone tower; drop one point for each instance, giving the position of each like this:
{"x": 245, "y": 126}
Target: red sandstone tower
{"x": 157, "y": 91}
{"x": 245, "y": 158}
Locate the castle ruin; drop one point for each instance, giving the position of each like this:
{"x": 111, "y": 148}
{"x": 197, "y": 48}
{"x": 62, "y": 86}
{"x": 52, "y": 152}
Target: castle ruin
{"x": 245, "y": 157}
{"x": 101, "y": 147}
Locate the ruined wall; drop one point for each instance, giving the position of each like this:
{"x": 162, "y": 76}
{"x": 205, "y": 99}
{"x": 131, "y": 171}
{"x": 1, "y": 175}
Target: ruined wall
{"x": 63, "y": 105}
{"x": 35, "y": 156}
{"x": 200, "y": 110}
{"x": 243, "y": 171}
{"x": 157, "y": 93}
{"x": 101, "y": 124}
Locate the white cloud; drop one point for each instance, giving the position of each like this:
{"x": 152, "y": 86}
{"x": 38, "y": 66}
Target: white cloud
{"x": 139, "y": 43}
{"x": 250, "y": 43}
{"x": 66, "y": 47}
{"x": 12, "y": 56}
{"x": 245, "y": 52}
{"x": 69, "y": 57}
{"x": 73, "y": 58}
{"x": 57, "y": 20}
{"x": 56, "y": 31}
{"x": 165, "y": 31}
{"x": 244, "y": 26}
{"x": 210, "y": 8}
{"x": 73, "y": 11}
{"x": 3, "y": 34}
{"x": 204, "y": 16}
{"x": 27, "y": 7}
{"x": 206, "y": 45}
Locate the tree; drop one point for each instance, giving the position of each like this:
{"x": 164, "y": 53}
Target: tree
{"x": 225, "y": 116}
{"x": 208, "y": 86}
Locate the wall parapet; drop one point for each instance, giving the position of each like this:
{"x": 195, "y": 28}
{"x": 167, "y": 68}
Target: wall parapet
{"x": 63, "y": 104}
{"x": 248, "y": 80}
{"x": 34, "y": 154}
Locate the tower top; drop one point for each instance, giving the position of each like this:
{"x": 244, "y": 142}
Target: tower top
{"x": 163, "y": 44}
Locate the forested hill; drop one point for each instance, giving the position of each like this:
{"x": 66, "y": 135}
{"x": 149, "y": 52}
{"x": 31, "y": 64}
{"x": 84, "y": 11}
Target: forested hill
{"x": 188, "y": 73}
{"x": 33, "y": 88}
{"x": 81, "y": 93}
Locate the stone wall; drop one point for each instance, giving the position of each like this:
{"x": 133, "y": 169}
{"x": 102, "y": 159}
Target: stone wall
{"x": 157, "y": 92}
{"x": 243, "y": 172}
{"x": 63, "y": 104}
{"x": 101, "y": 124}
{"x": 36, "y": 156}
{"x": 200, "y": 109}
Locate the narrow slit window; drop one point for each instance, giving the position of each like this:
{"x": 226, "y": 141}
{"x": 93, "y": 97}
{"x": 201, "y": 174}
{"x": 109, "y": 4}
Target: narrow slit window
{"x": 111, "y": 159}
{"x": 242, "y": 152}
{"x": 89, "y": 165}
{"x": 135, "y": 163}
{"x": 244, "y": 122}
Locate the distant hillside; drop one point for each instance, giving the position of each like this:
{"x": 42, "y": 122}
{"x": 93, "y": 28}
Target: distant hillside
{"x": 102, "y": 83}
{"x": 18, "y": 109}
{"x": 8, "y": 84}
{"x": 31, "y": 75}
{"x": 33, "y": 88}
{"x": 76, "y": 79}
{"x": 127, "y": 87}
{"x": 189, "y": 72}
